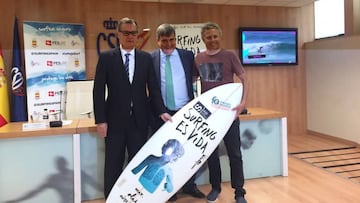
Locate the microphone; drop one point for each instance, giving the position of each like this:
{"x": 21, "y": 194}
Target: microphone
{"x": 59, "y": 122}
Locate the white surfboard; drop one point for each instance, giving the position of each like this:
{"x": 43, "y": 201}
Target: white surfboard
{"x": 178, "y": 149}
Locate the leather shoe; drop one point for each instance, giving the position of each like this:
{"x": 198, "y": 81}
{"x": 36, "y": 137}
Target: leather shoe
{"x": 241, "y": 200}
{"x": 212, "y": 196}
{"x": 195, "y": 192}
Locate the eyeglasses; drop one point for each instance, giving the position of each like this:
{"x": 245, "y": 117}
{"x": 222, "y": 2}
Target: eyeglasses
{"x": 127, "y": 33}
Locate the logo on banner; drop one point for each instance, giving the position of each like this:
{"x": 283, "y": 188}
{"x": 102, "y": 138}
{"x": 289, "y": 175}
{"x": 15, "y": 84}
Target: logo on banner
{"x": 51, "y": 63}
{"x": 54, "y": 43}
{"x": 74, "y": 43}
{"x": 48, "y": 42}
{"x": 34, "y": 63}
{"x": 53, "y": 93}
{"x": 34, "y": 43}
{"x": 37, "y": 95}
{"x": 17, "y": 82}
{"x": 77, "y": 62}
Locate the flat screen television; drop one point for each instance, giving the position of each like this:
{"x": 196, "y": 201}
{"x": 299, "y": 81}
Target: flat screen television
{"x": 260, "y": 46}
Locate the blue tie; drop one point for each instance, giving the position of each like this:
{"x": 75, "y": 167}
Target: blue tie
{"x": 126, "y": 64}
{"x": 170, "y": 100}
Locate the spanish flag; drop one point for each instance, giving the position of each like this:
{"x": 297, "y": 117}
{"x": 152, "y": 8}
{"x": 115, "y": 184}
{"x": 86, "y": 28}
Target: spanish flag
{"x": 4, "y": 97}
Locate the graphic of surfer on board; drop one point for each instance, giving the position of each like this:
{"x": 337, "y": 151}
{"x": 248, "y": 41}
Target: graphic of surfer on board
{"x": 156, "y": 169}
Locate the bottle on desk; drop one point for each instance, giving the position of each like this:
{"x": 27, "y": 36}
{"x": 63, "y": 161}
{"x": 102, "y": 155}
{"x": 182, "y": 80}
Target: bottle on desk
{"x": 45, "y": 116}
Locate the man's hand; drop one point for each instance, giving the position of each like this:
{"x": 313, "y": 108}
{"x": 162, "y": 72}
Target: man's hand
{"x": 239, "y": 108}
{"x": 166, "y": 117}
{"x": 101, "y": 129}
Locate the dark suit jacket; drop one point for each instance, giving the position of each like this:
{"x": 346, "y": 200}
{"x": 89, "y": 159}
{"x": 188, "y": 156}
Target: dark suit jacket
{"x": 187, "y": 60}
{"x": 110, "y": 74}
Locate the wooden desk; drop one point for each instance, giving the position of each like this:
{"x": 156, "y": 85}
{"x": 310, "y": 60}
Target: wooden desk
{"x": 14, "y": 130}
{"x": 260, "y": 114}
{"x": 86, "y": 126}
{"x": 32, "y": 154}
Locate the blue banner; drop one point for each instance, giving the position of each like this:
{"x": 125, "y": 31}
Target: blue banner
{"x": 18, "y": 107}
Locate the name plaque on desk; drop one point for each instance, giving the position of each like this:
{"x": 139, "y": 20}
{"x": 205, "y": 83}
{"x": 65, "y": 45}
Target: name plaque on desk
{"x": 34, "y": 126}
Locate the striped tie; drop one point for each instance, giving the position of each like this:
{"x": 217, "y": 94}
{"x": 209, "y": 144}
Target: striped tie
{"x": 126, "y": 64}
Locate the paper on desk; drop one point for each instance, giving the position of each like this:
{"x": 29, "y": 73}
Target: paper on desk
{"x": 66, "y": 122}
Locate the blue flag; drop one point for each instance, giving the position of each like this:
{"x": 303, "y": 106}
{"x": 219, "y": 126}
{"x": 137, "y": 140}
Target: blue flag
{"x": 18, "y": 95}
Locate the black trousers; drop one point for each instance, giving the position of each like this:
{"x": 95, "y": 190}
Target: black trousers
{"x": 117, "y": 142}
{"x": 232, "y": 143}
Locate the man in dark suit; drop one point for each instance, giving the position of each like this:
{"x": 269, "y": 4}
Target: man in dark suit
{"x": 179, "y": 64}
{"x": 123, "y": 117}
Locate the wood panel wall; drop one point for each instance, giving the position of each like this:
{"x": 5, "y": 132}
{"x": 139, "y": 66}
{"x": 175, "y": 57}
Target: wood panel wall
{"x": 278, "y": 88}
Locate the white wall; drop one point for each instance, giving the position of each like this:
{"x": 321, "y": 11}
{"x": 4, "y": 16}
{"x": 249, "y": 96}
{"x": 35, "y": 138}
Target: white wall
{"x": 333, "y": 87}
